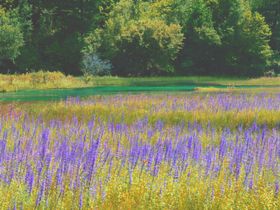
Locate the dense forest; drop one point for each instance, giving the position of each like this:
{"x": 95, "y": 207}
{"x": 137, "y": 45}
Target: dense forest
{"x": 140, "y": 37}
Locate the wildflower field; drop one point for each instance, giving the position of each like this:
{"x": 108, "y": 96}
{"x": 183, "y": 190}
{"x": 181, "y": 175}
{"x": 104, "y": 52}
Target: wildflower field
{"x": 143, "y": 151}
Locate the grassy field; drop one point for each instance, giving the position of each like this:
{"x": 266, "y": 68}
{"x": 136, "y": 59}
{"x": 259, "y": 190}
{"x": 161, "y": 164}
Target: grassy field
{"x": 53, "y": 80}
{"x": 202, "y": 80}
{"x": 216, "y": 147}
{"x": 160, "y": 151}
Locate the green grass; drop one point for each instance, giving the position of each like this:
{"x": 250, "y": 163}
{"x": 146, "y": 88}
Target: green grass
{"x": 56, "y": 80}
{"x": 192, "y": 80}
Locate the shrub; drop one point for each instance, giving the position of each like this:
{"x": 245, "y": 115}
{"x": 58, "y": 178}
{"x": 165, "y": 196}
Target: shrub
{"x": 270, "y": 73}
{"x": 93, "y": 65}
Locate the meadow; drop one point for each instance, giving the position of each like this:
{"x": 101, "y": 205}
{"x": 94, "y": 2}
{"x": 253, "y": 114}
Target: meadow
{"x": 143, "y": 151}
{"x": 99, "y": 108}
{"x": 43, "y": 80}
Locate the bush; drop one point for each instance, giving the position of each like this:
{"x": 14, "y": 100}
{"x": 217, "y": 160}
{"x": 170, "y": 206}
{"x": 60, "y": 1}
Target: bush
{"x": 93, "y": 65}
{"x": 270, "y": 73}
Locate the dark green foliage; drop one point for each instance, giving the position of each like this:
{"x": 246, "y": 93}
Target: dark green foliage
{"x": 245, "y": 38}
{"x": 135, "y": 42}
{"x": 202, "y": 41}
{"x": 140, "y": 37}
{"x": 11, "y": 35}
{"x": 270, "y": 9}
{"x": 225, "y": 37}
{"x": 58, "y": 29}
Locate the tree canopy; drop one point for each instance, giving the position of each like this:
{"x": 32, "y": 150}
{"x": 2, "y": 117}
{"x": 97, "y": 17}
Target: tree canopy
{"x": 140, "y": 37}
{"x": 11, "y": 35}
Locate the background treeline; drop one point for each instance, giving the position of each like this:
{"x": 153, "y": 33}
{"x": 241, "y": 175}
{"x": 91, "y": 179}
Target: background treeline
{"x": 138, "y": 37}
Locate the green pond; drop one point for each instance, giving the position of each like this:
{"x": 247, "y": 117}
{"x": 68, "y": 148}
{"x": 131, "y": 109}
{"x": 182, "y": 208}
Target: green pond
{"x": 61, "y": 94}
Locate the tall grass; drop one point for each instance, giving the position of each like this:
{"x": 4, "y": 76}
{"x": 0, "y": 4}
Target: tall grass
{"x": 47, "y": 80}
{"x": 221, "y": 110}
{"x": 38, "y": 80}
{"x": 121, "y": 153}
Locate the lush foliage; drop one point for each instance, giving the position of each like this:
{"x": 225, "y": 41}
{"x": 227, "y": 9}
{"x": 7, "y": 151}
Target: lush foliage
{"x": 136, "y": 43}
{"x": 271, "y": 11}
{"x": 229, "y": 37}
{"x": 11, "y": 36}
{"x": 244, "y": 39}
{"x": 55, "y": 157}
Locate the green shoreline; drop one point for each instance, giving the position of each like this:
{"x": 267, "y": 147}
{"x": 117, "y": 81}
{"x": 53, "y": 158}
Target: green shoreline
{"x": 59, "y": 94}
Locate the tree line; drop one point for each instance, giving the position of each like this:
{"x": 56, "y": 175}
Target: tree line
{"x": 141, "y": 37}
